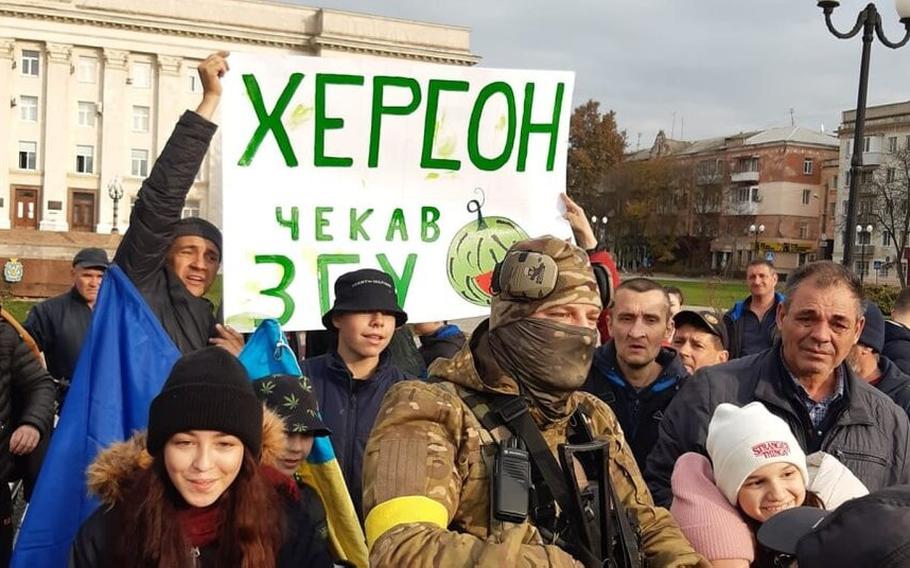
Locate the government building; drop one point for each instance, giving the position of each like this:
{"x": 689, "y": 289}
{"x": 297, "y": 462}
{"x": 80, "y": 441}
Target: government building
{"x": 94, "y": 89}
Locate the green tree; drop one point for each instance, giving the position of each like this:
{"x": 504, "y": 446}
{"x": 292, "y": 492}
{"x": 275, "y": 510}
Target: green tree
{"x": 595, "y": 147}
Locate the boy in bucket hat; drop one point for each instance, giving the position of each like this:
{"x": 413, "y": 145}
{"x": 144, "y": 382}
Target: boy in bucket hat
{"x": 351, "y": 380}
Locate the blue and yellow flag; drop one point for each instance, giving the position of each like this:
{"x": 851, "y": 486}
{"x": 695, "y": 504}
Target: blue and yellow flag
{"x": 267, "y": 353}
{"x": 124, "y": 362}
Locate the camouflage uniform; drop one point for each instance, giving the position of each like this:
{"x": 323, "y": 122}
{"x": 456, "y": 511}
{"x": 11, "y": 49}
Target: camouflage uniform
{"x": 426, "y": 482}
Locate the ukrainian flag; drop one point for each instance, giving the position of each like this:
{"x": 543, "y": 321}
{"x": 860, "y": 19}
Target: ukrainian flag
{"x": 267, "y": 353}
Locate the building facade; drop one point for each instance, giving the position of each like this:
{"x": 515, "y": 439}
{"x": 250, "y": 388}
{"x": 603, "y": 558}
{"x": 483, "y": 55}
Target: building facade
{"x": 886, "y": 151}
{"x": 761, "y": 194}
{"x": 95, "y": 88}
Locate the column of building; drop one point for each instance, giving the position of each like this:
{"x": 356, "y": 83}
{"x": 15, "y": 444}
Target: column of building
{"x": 7, "y": 58}
{"x": 58, "y": 158}
{"x": 115, "y": 160}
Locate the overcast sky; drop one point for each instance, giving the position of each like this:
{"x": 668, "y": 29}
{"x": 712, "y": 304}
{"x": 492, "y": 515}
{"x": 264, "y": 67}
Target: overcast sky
{"x": 722, "y": 66}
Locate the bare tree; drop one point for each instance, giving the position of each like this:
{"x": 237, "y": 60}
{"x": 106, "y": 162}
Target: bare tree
{"x": 889, "y": 193}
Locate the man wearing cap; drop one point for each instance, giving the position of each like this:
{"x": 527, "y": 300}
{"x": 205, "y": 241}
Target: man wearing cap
{"x": 700, "y": 338}
{"x": 868, "y": 531}
{"x": 351, "y": 379}
{"x": 633, "y": 372}
{"x": 870, "y": 365}
{"x": 173, "y": 261}
{"x": 805, "y": 380}
{"x": 429, "y": 471}
{"x": 59, "y": 324}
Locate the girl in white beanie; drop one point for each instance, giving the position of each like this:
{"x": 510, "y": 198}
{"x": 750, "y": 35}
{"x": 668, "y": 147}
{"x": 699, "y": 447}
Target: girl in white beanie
{"x": 756, "y": 469}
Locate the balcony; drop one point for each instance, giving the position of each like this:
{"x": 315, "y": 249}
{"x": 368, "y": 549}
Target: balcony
{"x": 750, "y": 177}
{"x": 742, "y": 208}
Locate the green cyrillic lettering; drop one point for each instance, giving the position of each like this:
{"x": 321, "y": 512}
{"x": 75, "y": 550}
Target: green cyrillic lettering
{"x": 482, "y": 162}
{"x": 324, "y": 122}
{"x": 321, "y": 223}
{"x": 280, "y": 291}
{"x": 357, "y": 225}
{"x": 427, "y": 161}
{"x": 527, "y": 127}
{"x": 292, "y": 223}
{"x": 380, "y": 82}
{"x": 429, "y": 230}
{"x": 270, "y": 121}
{"x": 396, "y": 223}
{"x": 403, "y": 282}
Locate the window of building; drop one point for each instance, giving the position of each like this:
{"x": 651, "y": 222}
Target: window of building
{"x": 742, "y": 194}
{"x": 87, "y": 70}
{"x": 865, "y": 207}
{"x": 907, "y": 142}
{"x": 807, "y": 166}
{"x": 833, "y": 208}
{"x": 28, "y": 108}
{"x": 849, "y": 147}
{"x": 142, "y": 74}
{"x": 886, "y": 238}
{"x": 30, "y": 62}
{"x": 807, "y": 194}
{"x": 755, "y": 197}
{"x": 804, "y": 230}
{"x": 892, "y": 144}
{"x": 85, "y": 159}
{"x": 867, "y": 143}
{"x": 191, "y": 209}
{"x": 28, "y": 155}
{"x": 890, "y": 174}
{"x": 140, "y": 119}
{"x": 835, "y": 180}
{"x": 863, "y": 238}
{"x": 86, "y": 113}
{"x": 861, "y": 267}
{"x": 843, "y": 208}
{"x": 194, "y": 82}
{"x": 140, "y": 163}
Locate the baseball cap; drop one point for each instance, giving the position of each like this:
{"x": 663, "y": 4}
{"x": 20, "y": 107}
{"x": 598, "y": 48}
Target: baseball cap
{"x": 91, "y": 258}
{"x": 707, "y": 320}
{"x": 868, "y": 531}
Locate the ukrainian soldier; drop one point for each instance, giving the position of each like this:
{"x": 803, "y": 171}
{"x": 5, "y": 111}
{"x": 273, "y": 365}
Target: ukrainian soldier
{"x": 435, "y": 451}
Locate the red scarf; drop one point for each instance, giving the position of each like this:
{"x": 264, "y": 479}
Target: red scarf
{"x": 199, "y": 525}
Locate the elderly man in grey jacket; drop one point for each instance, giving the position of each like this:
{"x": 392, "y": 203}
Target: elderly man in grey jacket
{"x": 804, "y": 380}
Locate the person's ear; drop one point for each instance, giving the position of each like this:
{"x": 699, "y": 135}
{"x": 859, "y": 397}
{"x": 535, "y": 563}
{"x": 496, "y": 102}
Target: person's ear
{"x": 723, "y": 356}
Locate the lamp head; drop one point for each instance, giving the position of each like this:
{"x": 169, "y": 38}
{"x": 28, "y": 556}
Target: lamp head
{"x": 903, "y": 11}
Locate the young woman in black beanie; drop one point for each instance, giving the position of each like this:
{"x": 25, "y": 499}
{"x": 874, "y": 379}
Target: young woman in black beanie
{"x": 200, "y": 489}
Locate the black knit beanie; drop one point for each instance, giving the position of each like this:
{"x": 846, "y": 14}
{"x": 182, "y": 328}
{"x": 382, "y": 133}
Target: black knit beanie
{"x": 207, "y": 390}
{"x": 199, "y": 227}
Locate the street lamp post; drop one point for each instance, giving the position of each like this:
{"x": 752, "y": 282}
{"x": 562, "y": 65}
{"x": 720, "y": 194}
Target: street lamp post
{"x": 115, "y": 192}
{"x": 862, "y": 266}
{"x": 869, "y": 22}
{"x": 600, "y": 228}
{"x": 756, "y": 230}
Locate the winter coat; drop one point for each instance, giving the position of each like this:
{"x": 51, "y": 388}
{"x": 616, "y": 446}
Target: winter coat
{"x": 113, "y": 471}
{"x": 349, "y": 408}
{"x": 894, "y": 383}
{"x": 639, "y": 411}
{"x": 869, "y": 433}
{"x": 427, "y": 487}
{"x": 142, "y": 253}
{"x": 444, "y": 343}
{"x": 733, "y": 320}
{"x": 59, "y": 326}
{"x": 897, "y": 345}
{"x": 26, "y": 394}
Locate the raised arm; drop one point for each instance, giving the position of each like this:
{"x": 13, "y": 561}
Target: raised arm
{"x": 162, "y": 196}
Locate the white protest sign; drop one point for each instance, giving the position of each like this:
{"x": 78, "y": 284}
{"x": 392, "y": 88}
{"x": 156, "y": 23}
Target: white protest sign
{"x": 428, "y": 172}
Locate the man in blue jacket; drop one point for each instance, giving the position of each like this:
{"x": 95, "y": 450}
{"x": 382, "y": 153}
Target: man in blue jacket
{"x": 632, "y": 372}
{"x": 751, "y": 325}
{"x": 351, "y": 380}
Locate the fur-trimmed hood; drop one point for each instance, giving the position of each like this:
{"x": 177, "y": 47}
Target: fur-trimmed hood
{"x": 116, "y": 465}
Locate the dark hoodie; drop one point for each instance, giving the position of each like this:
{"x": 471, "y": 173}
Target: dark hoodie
{"x": 443, "y": 343}
{"x": 897, "y": 345}
{"x": 639, "y": 411}
{"x": 894, "y": 383}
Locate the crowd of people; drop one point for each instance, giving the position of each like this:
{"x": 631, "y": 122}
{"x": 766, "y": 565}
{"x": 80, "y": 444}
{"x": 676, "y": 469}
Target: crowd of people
{"x": 586, "y": 419}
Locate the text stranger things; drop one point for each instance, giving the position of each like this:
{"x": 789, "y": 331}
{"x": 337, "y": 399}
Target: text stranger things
{"x": 427, "y": 172}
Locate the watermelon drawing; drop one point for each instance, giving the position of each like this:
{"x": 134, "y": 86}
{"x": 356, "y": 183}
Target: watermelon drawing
{"x": 474, "y": 251}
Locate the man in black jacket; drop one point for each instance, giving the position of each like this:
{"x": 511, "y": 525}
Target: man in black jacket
{"x": 632, "y": 372}
{"x": 897, "y": 332}
{"x": 59, "y": 324}
{"x": 26, "y": 417}
{"x": 173, "y": 261}
{"x": 867, "y": 362}
{"x": 802, "y": 379}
